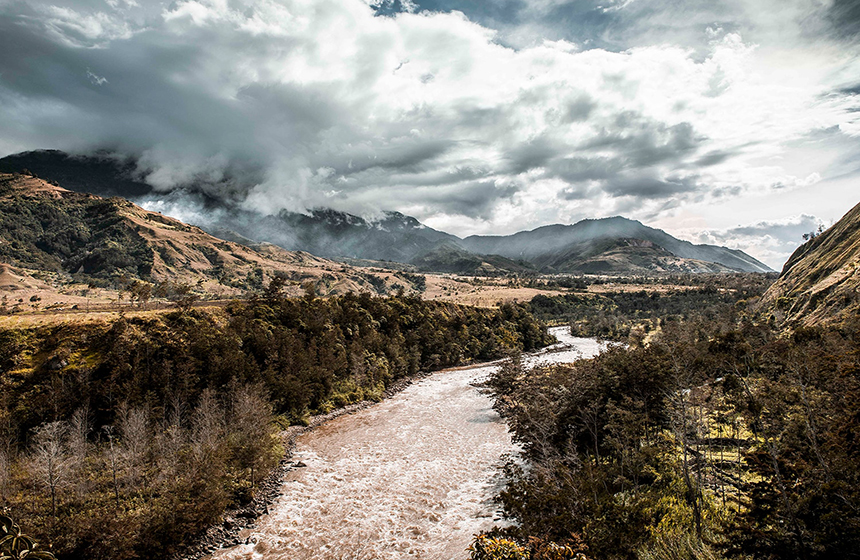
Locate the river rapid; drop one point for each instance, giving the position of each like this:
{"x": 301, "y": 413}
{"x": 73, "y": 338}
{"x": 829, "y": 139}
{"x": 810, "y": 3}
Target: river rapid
{"x": 410, "y": 477}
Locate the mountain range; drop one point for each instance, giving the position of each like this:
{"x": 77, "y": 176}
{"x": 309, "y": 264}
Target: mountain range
{"x": 614, "y": 245}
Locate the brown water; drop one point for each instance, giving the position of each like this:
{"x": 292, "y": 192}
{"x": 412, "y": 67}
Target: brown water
{"x": 411, "y": 477}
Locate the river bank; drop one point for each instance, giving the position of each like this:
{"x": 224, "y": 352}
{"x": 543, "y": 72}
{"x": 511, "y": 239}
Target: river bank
{"x": 227, "y": 533}
{"x": 241, "y": 529}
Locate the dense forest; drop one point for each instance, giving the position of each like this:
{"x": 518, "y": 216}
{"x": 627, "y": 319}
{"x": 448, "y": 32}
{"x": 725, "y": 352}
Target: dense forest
{"x": 719, "y": 438}
{"x": 125, "y": 439}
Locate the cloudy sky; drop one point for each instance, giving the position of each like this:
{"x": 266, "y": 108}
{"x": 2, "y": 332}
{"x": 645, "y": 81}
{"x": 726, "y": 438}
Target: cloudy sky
{"x": 734, "y": 122}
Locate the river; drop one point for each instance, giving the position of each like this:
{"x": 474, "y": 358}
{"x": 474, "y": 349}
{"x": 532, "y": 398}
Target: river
{"x": 410, "y": 477}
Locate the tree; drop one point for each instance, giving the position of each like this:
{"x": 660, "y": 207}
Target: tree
{"x": 207, "y": 428}
{"x": 134, "y": 431}
{"x": 51, "y": 464}
{"x": 141, "y": 291}
{"x": 79, "y": 429}
{"x": 170, "y": 441}
{"x": 183, "y": 297}
{"x": 251, "y": 430}
{"x": 4, "y": 473}
{"x": 113, "y": 459}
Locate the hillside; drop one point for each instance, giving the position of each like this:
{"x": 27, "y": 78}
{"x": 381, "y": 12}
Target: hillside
{"x": 820, "y": 282}
{"x": 450, "y": 257}
{"x": 623, "y": 256}
{"x": 47, "y": 228}
{"x": 561, "y": 248}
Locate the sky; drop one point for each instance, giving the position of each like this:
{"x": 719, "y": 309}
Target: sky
{"x": 732, "y": 122}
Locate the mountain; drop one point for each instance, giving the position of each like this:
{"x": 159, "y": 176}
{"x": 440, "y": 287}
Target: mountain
{"x": 606, "y": 246}
{"x": 450, "y": 257}
{"x": 324, "y": 232}
{"x": 820, "y": 282}
{"x": 568, "y": 248}
{"x": 45, "y": 227}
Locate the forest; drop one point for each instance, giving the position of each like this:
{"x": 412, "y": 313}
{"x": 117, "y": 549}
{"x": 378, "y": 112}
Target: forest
{"x": 719, "y": 438}
{"x": 614, "y": 313}
{"x": 125, "y": 439}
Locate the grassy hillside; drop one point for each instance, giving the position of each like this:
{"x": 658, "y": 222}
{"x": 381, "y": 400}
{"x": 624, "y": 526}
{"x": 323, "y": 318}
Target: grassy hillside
{"x": 112, "y": 242}
{"x": 549, "y": 246}
{"x": 820, "y": 283}
{"x": 448, "y": 257}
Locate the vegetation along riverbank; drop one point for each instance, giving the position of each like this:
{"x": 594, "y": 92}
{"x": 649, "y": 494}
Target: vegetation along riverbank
{"x": 156, "y": 425}
{"x": 717, "y": 431}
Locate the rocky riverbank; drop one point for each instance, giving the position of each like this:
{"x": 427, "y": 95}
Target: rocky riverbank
{"x": 227, "y": 533}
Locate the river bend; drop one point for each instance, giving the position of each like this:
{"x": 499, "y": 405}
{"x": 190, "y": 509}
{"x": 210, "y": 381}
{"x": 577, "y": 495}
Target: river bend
{"x": 410, "y": 477}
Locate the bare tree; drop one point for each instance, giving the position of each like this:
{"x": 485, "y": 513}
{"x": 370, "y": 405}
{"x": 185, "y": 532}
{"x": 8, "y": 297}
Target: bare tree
{"x": 134, "y": 431}
{"x": 79, "y": 430}
{"x": 51, "y": 464}
{"x": 170, "y": 442}
{"x": 113, "y": 459}
{"x": 207, "y": 428}
{"x": 251, "y": 429}
{"x": 4, "y": 473}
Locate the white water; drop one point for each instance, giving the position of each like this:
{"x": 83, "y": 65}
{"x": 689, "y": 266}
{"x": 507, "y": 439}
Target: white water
{"x": 410, "y": 477}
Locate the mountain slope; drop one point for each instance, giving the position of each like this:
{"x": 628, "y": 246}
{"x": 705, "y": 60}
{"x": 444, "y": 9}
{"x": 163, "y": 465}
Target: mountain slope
{"x": 820, "y": 283}
{"x": 46, "y": 227}
{"x": 550, "y": 246}
{"x": 622, "y": 256}
{"x": 450, "y": 257}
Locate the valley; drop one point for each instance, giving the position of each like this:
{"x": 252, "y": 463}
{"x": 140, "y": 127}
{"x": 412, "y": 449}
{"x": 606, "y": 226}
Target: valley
{"x": 174, "y": 364}
{"x": 425, "y": 279}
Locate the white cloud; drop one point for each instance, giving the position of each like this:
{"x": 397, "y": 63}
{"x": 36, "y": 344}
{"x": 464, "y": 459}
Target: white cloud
{"x": 299, "y": 103}
{"x": 772, "y": 242}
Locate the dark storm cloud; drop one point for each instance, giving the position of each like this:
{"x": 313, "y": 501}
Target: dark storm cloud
{"x": 408, "y": 156}
{"x": 844, "y": 15}
{"x": 532, "y": 154}
{"x": 644, "y": 142}
{"x": 294, "y": 105}
{"x": 579, "y": 110}
{"x": 651, "y": 187}
{"x": 444, "y": 177}
{"x": 713, "y": 158}
{"x": 627, "y": 142}
{"x": 849, "y": 90}
{"x": 475, "y": 199}
{"x": 125, "y": 97}
{"x": 577, "y": 169}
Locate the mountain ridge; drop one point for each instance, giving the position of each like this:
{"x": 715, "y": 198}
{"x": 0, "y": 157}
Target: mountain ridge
{"x": 553, "y": 248}
{"x": 541, "y": 242}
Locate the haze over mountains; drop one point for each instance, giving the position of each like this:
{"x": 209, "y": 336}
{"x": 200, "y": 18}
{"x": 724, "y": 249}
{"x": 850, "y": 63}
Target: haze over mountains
{"x": 611, "y": 245}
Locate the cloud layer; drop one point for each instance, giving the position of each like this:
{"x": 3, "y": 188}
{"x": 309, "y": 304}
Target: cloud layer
{"x": 501, "y": 118}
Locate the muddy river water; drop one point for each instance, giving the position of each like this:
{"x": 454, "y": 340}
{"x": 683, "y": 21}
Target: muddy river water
{"x": 410, "y": 477}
